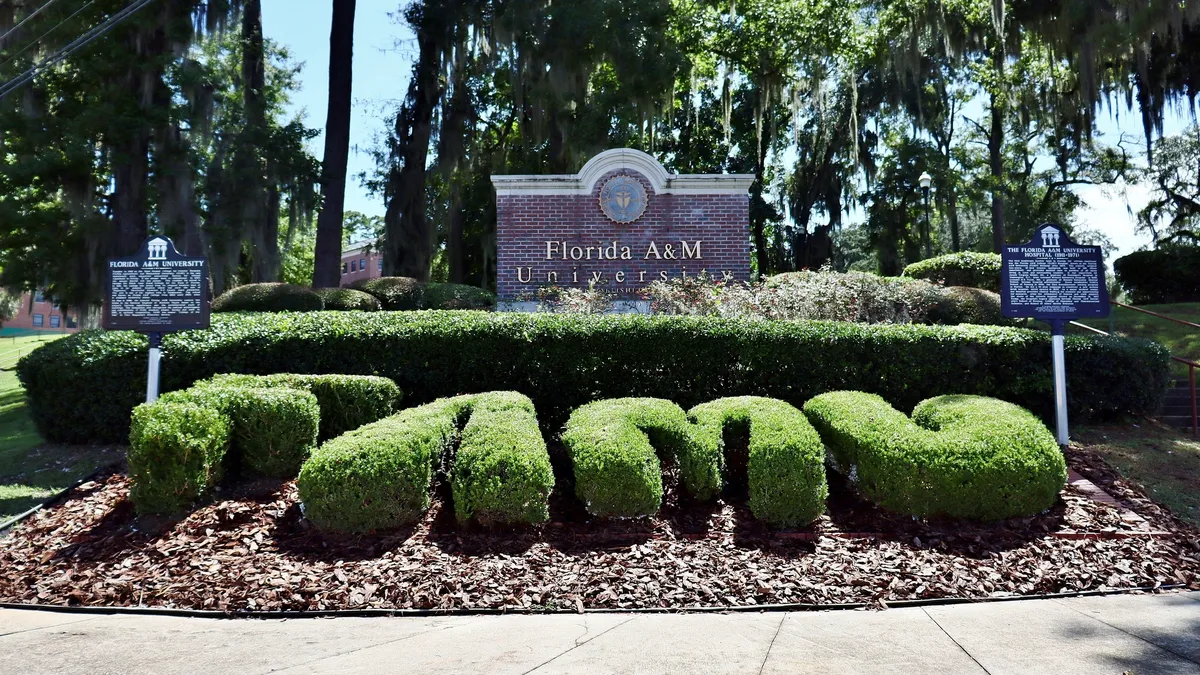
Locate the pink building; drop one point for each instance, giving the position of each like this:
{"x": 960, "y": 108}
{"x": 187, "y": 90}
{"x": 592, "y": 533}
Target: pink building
{"x": 361, "y": 261}
{"x": 37, "y": 313}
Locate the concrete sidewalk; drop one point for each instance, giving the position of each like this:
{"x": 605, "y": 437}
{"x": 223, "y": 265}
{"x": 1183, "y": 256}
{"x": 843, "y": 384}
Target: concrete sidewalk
{"x": 1140, "y": 634}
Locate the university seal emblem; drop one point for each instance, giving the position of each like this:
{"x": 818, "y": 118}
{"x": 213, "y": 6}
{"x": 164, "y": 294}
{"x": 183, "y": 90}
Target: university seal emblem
{"x": 623, "y": 199}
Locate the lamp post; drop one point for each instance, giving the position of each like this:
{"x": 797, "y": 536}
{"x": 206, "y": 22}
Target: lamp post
{"x": 926, "y": 180}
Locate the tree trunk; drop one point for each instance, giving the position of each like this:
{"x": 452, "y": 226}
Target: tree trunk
{"x": 327, "y": 259}
{"x": 952, "y": 216}
{"x": 257, "y": 189}
{"x": 996, "y": 148}
{"x": 454, "y": 238}
{"x": 759, "y": 216}
{"x": 408, "y": 238}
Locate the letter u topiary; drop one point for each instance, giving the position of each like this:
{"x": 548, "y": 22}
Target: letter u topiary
{"x": 380, "y": 475}
{"x": 612, "y": 446}
{"x": 960, "y": 456}
{"x": 786, "y": 467}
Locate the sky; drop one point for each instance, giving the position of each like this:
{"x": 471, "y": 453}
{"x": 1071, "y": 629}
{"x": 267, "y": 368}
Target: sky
{"x": 384, "y": 50}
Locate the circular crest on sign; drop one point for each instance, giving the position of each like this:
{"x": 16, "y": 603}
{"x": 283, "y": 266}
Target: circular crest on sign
{"x": 623, "y": 199}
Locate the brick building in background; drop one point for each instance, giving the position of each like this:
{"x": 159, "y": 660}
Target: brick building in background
{"x": 38, "y": 314}
{"x": 361, "y": 261}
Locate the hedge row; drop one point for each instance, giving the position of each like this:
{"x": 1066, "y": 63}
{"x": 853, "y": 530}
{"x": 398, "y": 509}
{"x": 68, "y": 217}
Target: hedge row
{"x": 82, "y": 388}
{"x": 1161, "y": 276}
{"x": 976, "y": 270}
{"x": 367, "y": 295}
{"x": 175, "y": 454}
{"x": 379, "y": 476}
{"x": 959, "y": 456}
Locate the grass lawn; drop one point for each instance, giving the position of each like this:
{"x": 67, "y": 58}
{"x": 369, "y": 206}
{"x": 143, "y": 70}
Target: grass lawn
{"x": 1183, "y": 341}
{"x": 13, "y": 347}
{"x": 1165, "y": 461}
{"x": 30, "y": 470}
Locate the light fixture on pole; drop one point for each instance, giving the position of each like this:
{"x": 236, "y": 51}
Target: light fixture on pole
{"x": 926, "y": 181}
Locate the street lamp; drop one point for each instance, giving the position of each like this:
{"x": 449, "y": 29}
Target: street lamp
{"x": 926, "y": 180}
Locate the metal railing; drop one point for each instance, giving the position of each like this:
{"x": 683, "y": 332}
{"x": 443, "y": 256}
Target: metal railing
{"x": 1192, "y": 365}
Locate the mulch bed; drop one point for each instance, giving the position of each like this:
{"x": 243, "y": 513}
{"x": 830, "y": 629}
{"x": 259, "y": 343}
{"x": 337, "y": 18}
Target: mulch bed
{"x": 251, "y": 549}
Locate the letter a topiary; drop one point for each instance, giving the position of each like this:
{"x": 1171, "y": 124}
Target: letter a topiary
{"x": 612, "y": 447}
{"x": 960, "y": 456}
{"x": 786, "y": 468}
{"x": 379, "y": 476}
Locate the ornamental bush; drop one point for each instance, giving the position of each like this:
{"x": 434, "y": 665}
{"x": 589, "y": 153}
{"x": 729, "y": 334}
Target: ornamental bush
{"x": 348, "y": 300}
{"x": 959, "y": 456}
{"x": 175, "y": 454}
{"x": 394, "y": 293}
{"x": 614, "y": 446}
{"x": 405, "y": 293}
{"x": 456, "y": 296}
{"x": 380, "y": 475}
{"x": 347, "y": 402}
{"x": 272, "y": 297}
{"x": 976, "y": 270}
{"x": 956, "y": 305}
{"x": 81, "y": 388}
{"x": 1161, "y": 276}
{"x": 786, "y": 466}
{"x": 274, "y": 430}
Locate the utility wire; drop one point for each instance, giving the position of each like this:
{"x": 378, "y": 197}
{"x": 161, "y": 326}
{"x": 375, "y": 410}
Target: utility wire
{"x": 43, "y": 35}
{"x": 79, "y": 43}
{"x": 4, "y": 38}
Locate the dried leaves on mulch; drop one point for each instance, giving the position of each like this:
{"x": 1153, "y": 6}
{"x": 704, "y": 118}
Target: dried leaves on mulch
{"x": 252, "y": 550}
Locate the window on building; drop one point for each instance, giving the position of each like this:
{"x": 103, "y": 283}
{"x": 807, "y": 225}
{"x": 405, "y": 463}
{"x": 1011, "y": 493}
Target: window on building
{"x": 362, "y": 264}
{"x": 353, "y": 265}
{"x": 38, "y": 296}
{"x": 345, "y": 267}
{"x": 39, "y": 320}
{"x": 71, "y": 322}
{"x": 55, "y": 321}
{"x": 380, "y": 264}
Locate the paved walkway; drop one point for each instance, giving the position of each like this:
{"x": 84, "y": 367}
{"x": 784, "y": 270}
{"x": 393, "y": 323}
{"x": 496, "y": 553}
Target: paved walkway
{"x": 1146, "y": 635}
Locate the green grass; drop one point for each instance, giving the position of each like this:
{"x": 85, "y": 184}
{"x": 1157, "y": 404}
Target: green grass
{"x": 30, "y": 471}
{"x": 1164, "y": 461}
{"x": 1183, "y": 341}
{"x": 12, "y": 348}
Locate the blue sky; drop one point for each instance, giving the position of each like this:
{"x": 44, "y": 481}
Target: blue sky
{"x": 384, "y": 51}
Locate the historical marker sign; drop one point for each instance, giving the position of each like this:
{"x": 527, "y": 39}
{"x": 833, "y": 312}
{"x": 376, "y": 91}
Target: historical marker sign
{"x": 1053, "y": 279}
{"x": 157, "y": 291}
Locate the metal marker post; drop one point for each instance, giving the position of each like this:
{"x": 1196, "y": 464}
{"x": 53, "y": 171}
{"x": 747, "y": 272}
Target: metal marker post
{"x": 1058, "y": 340}
{"x": 152, "y": 370}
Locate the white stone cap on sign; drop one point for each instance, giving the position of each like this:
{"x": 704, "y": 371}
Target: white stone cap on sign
{"x": 584, "y": 182}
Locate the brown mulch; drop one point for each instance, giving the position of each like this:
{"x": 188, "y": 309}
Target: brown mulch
{"x": 251, "y": 549}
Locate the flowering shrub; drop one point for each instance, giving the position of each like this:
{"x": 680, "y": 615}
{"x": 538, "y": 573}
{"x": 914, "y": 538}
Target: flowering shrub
{"x": 590, "y": 300}
{"x": 823, "y": 295}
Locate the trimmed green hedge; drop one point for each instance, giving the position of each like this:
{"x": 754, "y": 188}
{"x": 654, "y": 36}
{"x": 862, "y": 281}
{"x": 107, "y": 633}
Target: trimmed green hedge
{"x": 613, "y": 444}
{"x": 406, "y": 293}
{"x": 347, "y": 300}
{"x": 175, "y": 454}
{"x": 81, "y": 388}
{"x": 1161, "y": 276}
{"x": 786, "y": 468}
{"x": 960, "y": 456}
{"x": 274, "y": 430}
{"x": 270, "y": 297}
{"x": 956, "y": 305}
{"x": 379, "y": 476}
{"x": 347, "y": 401}
{"x": 977, "y": 270}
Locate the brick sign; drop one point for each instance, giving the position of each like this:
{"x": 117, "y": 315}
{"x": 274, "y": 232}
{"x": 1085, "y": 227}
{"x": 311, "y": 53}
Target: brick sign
{"x": 622, "y": 222}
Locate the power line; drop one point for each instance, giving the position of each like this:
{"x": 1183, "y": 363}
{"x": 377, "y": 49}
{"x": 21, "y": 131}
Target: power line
{"x": 77, "y": 44}
{"x": 4, "y": 38}
{"x": 43, "y": 35}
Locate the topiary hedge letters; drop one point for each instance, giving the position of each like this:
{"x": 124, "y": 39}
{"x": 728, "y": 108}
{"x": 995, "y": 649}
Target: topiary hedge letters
{"x": 959, "y": 456}
{"x": 379, "y": 476}
{"x": 82, "y": 388}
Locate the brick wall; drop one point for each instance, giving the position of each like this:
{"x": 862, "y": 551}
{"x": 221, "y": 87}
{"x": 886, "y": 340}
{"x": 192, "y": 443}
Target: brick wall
{"x": 678, "y": 234}
{"x": 361, "y": 262}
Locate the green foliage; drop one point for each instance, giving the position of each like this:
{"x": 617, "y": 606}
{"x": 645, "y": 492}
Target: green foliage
{"x": 1161, "y": 276}
{"x": 271, "y": 297}
{"x": 175, "y": 453}
{"x": 959, "y": 456}
{"x": 954, "y": 305}
{"x": 502, "y": 470}
{"x": 977, "y": 270}
{"x": 612, "y": 446}
{"x": 786, "y": 466}
{"x": 404, "y": 293}
{"x": 379, "y": 476}
{"x": 1172, "y": 214}
{"x": 274, "y": 430}
{"x": 83, "y": 386}
{"x": 347, "y": 300}
{"x": 347, "y": 402}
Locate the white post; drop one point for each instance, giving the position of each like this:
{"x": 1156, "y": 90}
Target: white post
{"x": 1060, "y": 384}
{"x": 152, "y": 370}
